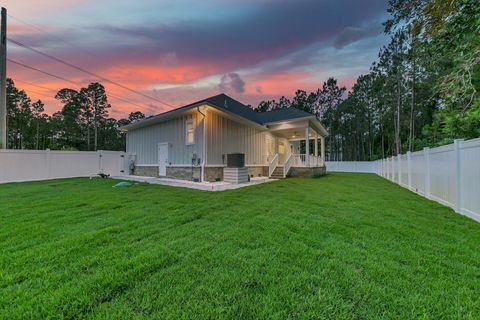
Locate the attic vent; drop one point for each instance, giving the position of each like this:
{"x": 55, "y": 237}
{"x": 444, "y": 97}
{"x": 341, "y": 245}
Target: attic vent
{"x": 225, "y": 105}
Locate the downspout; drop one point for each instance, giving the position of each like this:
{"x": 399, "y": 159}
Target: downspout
{"x": 204, "y": 145}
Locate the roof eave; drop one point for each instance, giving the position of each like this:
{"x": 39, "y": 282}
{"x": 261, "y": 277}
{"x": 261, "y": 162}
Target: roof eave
{"x": 290, "y": 119}
{"x": 173, "y": 113}
{"x": 161, "y": 117}
{"x": 312, "y": 117}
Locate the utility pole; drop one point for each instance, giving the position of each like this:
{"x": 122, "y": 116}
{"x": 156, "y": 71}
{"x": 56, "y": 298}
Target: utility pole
{"x": 3, "y": 80}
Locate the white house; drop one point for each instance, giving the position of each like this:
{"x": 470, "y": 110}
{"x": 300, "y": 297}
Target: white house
{"x": 191, "y": 142}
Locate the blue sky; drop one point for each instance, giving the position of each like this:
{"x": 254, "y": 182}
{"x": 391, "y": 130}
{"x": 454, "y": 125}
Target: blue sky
{"x": 181, "y": 51}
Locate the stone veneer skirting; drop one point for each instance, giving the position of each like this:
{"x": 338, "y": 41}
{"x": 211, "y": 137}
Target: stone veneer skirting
{"x": 186, "y": 173}
{"x": 301, "y": 172}
{"x": 216, "y": 173}
{"x": 146, "y": 171}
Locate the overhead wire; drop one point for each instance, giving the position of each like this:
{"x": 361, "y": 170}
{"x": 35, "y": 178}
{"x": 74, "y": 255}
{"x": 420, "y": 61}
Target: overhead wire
{"x": 61, "y": 39}
{"x": 67, "y": 80}
{"x": 71, "y": 65}
{"x": 32, "y": 26}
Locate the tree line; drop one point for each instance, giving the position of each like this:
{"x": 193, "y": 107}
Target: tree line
{"x": 82, "y": 124}
{"x": 423, "y": 90}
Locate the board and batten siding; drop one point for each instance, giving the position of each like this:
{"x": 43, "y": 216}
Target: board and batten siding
{"x": 228, "y": 136}
{"x": 143, "y": 142}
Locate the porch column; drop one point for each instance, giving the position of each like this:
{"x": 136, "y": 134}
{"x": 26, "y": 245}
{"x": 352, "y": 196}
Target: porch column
{"x": 316, "y": 145}
{"x": 307, "y": 146}
{"x": 322, "y": 148}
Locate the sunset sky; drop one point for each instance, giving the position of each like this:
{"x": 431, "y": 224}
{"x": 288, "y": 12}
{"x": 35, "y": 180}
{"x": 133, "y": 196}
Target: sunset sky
{"x": 185, "y": 50}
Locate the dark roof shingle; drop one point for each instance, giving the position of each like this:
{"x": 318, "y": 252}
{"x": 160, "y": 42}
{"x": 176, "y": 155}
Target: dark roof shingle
{"x": 225, "y": 102}
{"x": 282, "y": 114}
{"x": 222, "y": 101}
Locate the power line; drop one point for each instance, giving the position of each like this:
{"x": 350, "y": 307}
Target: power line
{"x": 85, "y": 71}
{"x": 34, "y": 85}
{"x": 41, "y": 71}
{"x": 26, "y": 23}
{"x": 69, "y": 43}
{"x": 63, "y": 79}
{"x": 39, "y": 93}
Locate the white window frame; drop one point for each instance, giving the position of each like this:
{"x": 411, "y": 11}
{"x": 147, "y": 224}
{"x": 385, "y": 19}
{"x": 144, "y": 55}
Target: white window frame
{"x": 189, "y": 122}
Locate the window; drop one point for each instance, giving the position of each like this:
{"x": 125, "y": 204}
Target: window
{"x": 190, "y": 132}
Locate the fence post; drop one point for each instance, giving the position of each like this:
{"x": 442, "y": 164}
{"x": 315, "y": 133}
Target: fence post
{"x": 457, "y": 143}
{"x": 385, "y": 168}
{"x": 399, "y": 157}
{"x": 394, "y": 169}
{"x": 409, "y": 169}
{"x": 390, "y": 168}
{"x": 426, "y": 151}
{"x": 49, "y": 164}
{"x": 100, "y": 161}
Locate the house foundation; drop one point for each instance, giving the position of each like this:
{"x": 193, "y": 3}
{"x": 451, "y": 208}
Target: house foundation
{"x": 307, "y": 172}
{"x": 213, "y": 174}
{"x": 146, "y": 171}
{"x": 184, "y": 173}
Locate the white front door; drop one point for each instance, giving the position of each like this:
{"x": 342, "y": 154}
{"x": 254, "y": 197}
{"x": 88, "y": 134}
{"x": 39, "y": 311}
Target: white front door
{"x": 270, "y": 148}
{"x": 162, "y": 158}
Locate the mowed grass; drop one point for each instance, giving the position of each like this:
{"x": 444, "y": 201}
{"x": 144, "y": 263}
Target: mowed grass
{"x": 344, "y": 246}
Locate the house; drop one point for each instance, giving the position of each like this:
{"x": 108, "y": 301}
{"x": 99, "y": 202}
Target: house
{"x": 191, "y": 142}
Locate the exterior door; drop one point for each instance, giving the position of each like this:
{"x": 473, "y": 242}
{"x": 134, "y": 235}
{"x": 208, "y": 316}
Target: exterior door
{"x": 162, "y": 158}
{"x": 270, "y": 148}
{"x": 282, "y": 151}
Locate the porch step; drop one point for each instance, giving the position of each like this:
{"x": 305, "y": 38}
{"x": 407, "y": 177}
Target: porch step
{"x": 277, "y": 173}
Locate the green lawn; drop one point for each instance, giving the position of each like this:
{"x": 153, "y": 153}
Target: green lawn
{"x": 344, "y": 246}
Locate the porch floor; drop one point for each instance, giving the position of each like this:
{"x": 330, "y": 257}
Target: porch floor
{"x": 207, "y": 186}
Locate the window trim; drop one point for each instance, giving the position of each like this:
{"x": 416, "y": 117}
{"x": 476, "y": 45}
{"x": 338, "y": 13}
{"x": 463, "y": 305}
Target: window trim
{"x": 187, "y": 123}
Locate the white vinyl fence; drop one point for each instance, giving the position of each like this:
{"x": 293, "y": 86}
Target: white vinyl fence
{"x": 351, "y": 166}
{"x": 448, "y": 174}
{"x": 30, "y": 165}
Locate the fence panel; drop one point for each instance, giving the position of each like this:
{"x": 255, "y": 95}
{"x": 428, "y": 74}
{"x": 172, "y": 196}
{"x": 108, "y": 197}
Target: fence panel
{"x": 395, "y": 169}
{"x": 113, "y": 163}
{"x": 442, "y": 174}
{"x": 448, "y": 174}
{"x": 418, "y": 169}
{"x": 470, "y": 177}
{"x": 30, "y": 165}
{"x": 351, "y": 166}
{"x": 404, "y": 170}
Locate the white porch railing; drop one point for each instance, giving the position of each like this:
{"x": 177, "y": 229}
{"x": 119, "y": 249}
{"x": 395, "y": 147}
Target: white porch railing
{"x": 272, "y": 165}
{"x": 287, "y": 165}
{"x": 300, "y": 160}
{"x": 315, "y": 161}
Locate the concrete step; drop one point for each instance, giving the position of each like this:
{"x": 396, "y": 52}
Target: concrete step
{"x": 277, "y": 173}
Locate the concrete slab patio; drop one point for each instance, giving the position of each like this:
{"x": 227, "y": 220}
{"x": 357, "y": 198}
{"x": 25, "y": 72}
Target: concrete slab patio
{"x": 207, "y": 186}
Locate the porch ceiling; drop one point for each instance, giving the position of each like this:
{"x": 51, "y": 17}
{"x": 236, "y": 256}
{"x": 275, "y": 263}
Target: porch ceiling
{"x": 293, "y": 134}
{"x": 295, "y": 130}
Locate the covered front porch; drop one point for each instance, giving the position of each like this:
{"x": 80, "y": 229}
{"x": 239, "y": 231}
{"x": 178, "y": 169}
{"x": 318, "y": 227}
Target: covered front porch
{"x": 300, "y": 148}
